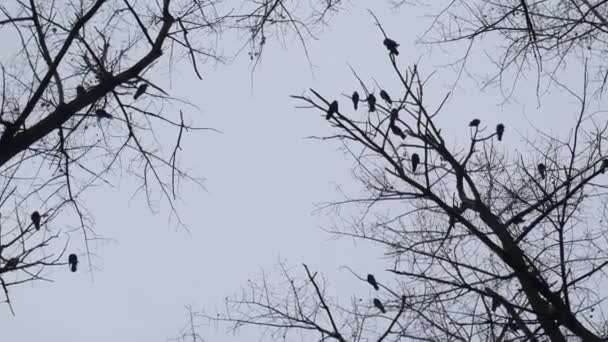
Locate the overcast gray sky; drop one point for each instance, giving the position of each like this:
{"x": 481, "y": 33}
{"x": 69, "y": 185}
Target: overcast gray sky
{"x": 262, "y": 180}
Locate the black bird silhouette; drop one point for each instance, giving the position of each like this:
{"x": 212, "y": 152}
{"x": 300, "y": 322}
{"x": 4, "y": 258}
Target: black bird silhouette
{"x": 355, "y": 99}
{"x": 11, "y": 264}
{"x": 102, "y": 114}
{"x": 604, "y": 165}
{"x": 140, "y": 91}
{"x": 80, "y": 91}
{"x": 73, "y": 261}
{"x": 415, "y": 161}
{"x": 495, "y": 303}
{"x": 397, "y": 131}
{"x": 371, "y": 102}
{"x": 372, "y": 281}
{"x": 36, "y": 219}
{"x": 394, "y": 115}
{"x": 379, "y": 305}
{"x": 474, "y": 123}
{"x": 391, "y": 45}
{"x": 333, "y": 109}
{"x": 518, "y": 220}
{"x": 385, "y": 97}
{"x": 500, "y": 130}
{"x": 542, "y": 170}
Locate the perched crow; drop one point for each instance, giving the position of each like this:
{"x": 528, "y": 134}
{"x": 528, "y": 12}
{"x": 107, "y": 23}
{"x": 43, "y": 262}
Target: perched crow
{"x": 604, "y": 165}
{"x": 394, "y": 115}
{"x": 333, "y": 109}
{"x": 379, "y": 305}
{"x": 500, "y": 130}
{"x": 73, "y": 261}
{"x": 415, "y": 161}
{"x": 102, "y": 114}
{"x": 372, "y": 281}
{"x": 80, "y": 91}
{"x": 140, "y": 91}
{"x": 474, "y": 123}
{"x": 355, "y": 99}
{"x": 518, "y": 220}
{"x": 11, "y": 264}
{"x": 495, "y": 303}
{"x": 397, "y": 131}
{"x": 36, "y": 219}
{"x": 391, "y": 45}
{"x": 385, "y": 97}
{"x": 371, "y": 102}
{"x": 542, "y": 170}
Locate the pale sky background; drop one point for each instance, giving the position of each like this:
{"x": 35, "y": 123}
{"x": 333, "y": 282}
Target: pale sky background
{"x": 262, "y": 179}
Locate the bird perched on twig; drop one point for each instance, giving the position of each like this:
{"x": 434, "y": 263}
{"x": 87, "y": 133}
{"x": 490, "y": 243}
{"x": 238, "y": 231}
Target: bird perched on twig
{"x": 500, "y": 130}
{"x": 394, "y": 115}
{"x": 11, "y": 264}
{"x": 73, "y": 262}
{"x": 355, "y": 99}
{"x": 397, "y": 131}
{"x": 495, "y": 303}
{"x": 140, "y": 91}
{"x": 518, "y": 220}
{"x": 102, "y": 114}
{"x": 378, "y": 304}
{"x": 415, "y": 161}
{"x": 474, "y": 123}
{"x": 542, "y": 170}
{"x": 604, "y": 165}
{"x": 385, "y": 97}
{"x": 35, "y": 217}
{"x": 371, "y": 102}
{"x": 372, "y": 281}
{"x": 333, "y": 109}
{"x": 391, "y": 45}
{"x": 80, "y": 91}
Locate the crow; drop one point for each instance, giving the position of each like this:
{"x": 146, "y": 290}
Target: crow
{"x": 333, "y": 109}
{"x": 11, "y": 264}
{"x": 372, "y": 281}
{"x": 102, "y": 114}
{"x": 391, "y": 45}
{"x": 379, "y": 305}
{"x": 80, "y": 91}
{"x": 500, "y": 130}
{"x": 474, "y": 123}
{"x": 36, "y": 219}
{"x": 415, "y": 161}
{"x": 604, "y": 165}
{"x": 73, "y": 261}
{"x": 495, "y": 303}
{"x": 140, "y": 91}
{"x": 394, "y": 115}
{"x": 371, "y": 102}
{"x": 355, "y": 99}
{"x": 385, "y": 97}
{"x": 397, "y": 131}
{"x": 518, "y": 220}
{"x": 542, "y": 170}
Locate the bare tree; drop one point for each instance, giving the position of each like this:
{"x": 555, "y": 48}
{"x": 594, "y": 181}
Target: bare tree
{"x": 81, "y": 97}
{"x": 483, "y": 244}
{"x": 539, "y": 36}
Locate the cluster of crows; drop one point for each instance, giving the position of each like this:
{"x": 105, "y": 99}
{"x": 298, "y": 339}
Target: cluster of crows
{"x": 102, "y": 113}
{"x": 12, "y": 263}
{"x": 377, "y": 303}
{"x": 371, "y": 100}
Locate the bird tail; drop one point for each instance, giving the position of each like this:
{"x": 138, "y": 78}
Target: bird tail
{"x": 376, "y": 287}
{"x": 73, "y": 267}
